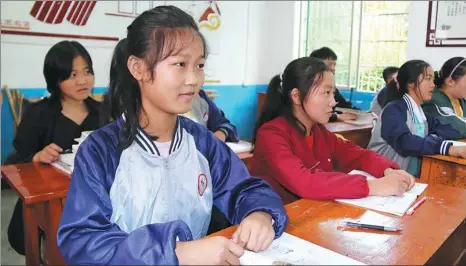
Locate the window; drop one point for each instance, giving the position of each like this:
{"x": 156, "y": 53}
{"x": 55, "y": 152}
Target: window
{"x": 367, "y": 36}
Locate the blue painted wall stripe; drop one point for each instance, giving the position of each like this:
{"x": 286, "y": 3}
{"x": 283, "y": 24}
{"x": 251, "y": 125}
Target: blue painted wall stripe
{"x": 237, "y": 101}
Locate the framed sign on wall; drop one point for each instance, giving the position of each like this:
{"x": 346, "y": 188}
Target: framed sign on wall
{"x": 446, "y": 24}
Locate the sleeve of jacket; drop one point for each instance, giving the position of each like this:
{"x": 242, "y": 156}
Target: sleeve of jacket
{"x": 236, "y": 192}
{"x": 458, "y": 123}
{"x": 218, "y": 121}
{"x": 349, "y": 156}
{"x": 87, "y": 236}
{"x": 396, "y": 133}
{"x": 29, "y": 137}
{"x": 375, "y": 106}
{"x": 274, "y": 148}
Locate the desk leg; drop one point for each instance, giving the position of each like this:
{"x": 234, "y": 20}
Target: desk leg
{"x": 31, "y": 236}
{"x": 53, "y": 211}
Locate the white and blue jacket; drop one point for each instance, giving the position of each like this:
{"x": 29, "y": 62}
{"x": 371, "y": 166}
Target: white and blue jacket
{"x": 131, "y": 206}
{"x": 395, "y": 134}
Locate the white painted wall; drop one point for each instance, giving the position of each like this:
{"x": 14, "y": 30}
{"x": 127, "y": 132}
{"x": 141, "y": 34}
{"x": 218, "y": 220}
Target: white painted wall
{"x": 254, "y": 42}
{"x": 417, "y": 49}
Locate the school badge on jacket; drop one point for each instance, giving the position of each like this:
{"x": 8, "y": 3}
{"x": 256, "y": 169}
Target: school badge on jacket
{"x": 202, "y": 184}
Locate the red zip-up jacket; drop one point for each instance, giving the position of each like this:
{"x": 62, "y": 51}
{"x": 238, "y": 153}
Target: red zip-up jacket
{"x": 285, "y": 159}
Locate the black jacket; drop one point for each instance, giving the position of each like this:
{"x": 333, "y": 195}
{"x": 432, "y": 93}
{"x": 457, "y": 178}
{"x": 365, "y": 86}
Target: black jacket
{"x": 43, "y": 123}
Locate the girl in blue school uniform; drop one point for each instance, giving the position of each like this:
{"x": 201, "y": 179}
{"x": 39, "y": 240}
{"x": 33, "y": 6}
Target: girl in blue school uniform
{"x": 405, "y": 133}
{"x": 144, "y": 185}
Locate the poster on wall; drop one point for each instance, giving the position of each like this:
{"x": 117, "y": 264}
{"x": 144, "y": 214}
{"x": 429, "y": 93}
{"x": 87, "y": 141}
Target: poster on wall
{"x": 446, "y": 24}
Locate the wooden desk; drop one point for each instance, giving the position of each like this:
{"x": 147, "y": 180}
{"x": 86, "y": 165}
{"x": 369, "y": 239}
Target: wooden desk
{"x": 42, "y": 189}
{"x": 444, "y": 170}
{"x": 359, "y": 135}
{"x": 435, "y": 234}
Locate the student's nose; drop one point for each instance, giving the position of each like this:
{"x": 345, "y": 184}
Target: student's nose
{"x": 81, "y": 80}
{"x": 332, "y": 101}
{"x": 192, "y": 78}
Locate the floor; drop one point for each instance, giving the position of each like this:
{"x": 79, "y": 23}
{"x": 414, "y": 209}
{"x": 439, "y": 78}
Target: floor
{"x": 8, "y": 256}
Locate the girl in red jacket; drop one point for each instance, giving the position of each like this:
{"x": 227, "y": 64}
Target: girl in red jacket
{"x": 299, "y": 157}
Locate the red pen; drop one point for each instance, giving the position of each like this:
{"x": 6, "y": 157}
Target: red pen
{"x": 416, "y": 205}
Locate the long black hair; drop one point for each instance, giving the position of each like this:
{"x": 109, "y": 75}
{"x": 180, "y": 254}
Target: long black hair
{"x": 304, "y": 74}
{"x": 58, "y": 65}
{"x": 153, "y": 36}
{"x": 408, "y": 73}
{"x": 454, "y": 67}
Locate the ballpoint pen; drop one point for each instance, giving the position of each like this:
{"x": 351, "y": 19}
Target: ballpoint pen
{"x": 370, "y": 226}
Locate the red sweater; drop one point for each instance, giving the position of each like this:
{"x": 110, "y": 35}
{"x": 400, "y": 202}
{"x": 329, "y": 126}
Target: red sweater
{"x": 283, "y": 157}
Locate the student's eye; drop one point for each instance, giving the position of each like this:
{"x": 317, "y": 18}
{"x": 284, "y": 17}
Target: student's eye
{"x": 73, "y": 75}
{"x": 201, "y": 66}
{"x": 181, "y": 64}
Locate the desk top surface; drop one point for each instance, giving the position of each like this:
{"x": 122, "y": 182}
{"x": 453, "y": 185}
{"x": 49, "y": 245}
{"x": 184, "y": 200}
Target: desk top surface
{"x": 35, "y": 182}
{"x": 337, "y": 127}
{"x": 423, "y": 232}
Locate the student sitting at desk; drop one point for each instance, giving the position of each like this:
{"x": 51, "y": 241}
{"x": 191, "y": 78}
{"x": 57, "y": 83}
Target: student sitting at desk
{"x": 206, "y": 112}
{"x": 404, "y": 133}
{"x": 378, "y": 103}
{"x": 330, "y": 57}
{"x": 50, "y": 126}
{"x": 448, "y": 103}
{"x": 299, "y": 157}
{"x": 144, "y": 185}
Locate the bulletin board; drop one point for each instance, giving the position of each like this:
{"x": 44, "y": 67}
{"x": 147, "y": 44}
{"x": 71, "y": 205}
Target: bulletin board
{"x": 446, "y": 24}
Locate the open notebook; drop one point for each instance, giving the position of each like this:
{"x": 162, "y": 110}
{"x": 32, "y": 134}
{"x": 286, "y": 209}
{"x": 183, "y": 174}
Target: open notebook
{"x": 241, "y": 146}
{"x": 291, "y": 250}
{"x": 390, "y": 204}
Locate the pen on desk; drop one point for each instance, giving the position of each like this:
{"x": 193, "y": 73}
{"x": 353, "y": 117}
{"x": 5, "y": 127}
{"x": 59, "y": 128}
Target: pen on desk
{"x": 370, "y": 226}
{"x": 415, "y": 206}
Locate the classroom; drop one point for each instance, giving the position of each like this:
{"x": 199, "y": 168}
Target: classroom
{"x": 233, "y": 132}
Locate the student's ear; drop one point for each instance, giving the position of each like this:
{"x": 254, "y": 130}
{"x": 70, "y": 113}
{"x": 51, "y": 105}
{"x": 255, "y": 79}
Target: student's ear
{"x": 450, "y": 82}
{"x": 295, "y": 96}
{"x": 136, "y": 67}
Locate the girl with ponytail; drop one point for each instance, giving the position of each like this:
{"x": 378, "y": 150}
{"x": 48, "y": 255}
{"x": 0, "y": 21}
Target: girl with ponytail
{"x": 404, "y": 133}
{"x": 144, "y": 185}
{"x": 448, "y": 102}
{"x": 299, "y": 157}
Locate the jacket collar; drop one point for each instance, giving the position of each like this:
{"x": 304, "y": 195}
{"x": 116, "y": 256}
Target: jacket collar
{"x": 413, "y": 108}
{"x": 146, "y": 142}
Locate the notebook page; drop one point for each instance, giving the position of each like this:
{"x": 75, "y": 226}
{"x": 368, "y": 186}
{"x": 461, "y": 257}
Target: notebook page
{"x": 291, "y": 250}
{"x": 397, "y": 205}
{"x": 241, "y": 146}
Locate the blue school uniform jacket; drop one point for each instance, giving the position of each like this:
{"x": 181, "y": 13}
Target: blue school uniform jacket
{"x": 131, "y": 206}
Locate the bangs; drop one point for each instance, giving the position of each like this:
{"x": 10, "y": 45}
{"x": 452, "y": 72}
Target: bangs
{"x": 166, "y": 42}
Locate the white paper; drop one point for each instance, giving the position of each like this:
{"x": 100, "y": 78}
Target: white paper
{"x": 65, "y": 163}
{"x": 291, "y": 250}
{"x": 241, "y": 146}
{"x": 457, "y": 143}
{"x": 397, "y": 205}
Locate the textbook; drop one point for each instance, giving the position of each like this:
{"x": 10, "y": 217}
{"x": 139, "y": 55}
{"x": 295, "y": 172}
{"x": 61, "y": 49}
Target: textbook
{"x": 291, "y": 250}
{"x": 397, "y": 205}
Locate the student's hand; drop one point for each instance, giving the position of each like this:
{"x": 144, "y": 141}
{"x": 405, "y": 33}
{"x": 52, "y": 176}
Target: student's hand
{"x": 49, "y": 154}
{"x": 389, "y": 185}
{"x": 346, "y": 116}
{"x": 220, "y": 135}
{"x": 456, "y": 151}
{"x": 255, "y": 232}
{"x": 209, "y": 251}
{"x": 412, "y": 179}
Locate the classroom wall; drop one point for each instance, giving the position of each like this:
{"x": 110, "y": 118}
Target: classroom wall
{"x": 417, "y": 49}
{"x": 254, "y": 42}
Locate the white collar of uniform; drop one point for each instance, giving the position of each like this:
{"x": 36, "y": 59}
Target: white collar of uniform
{"x": 145, "y": 141}
{"x": 414, "y": 108}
